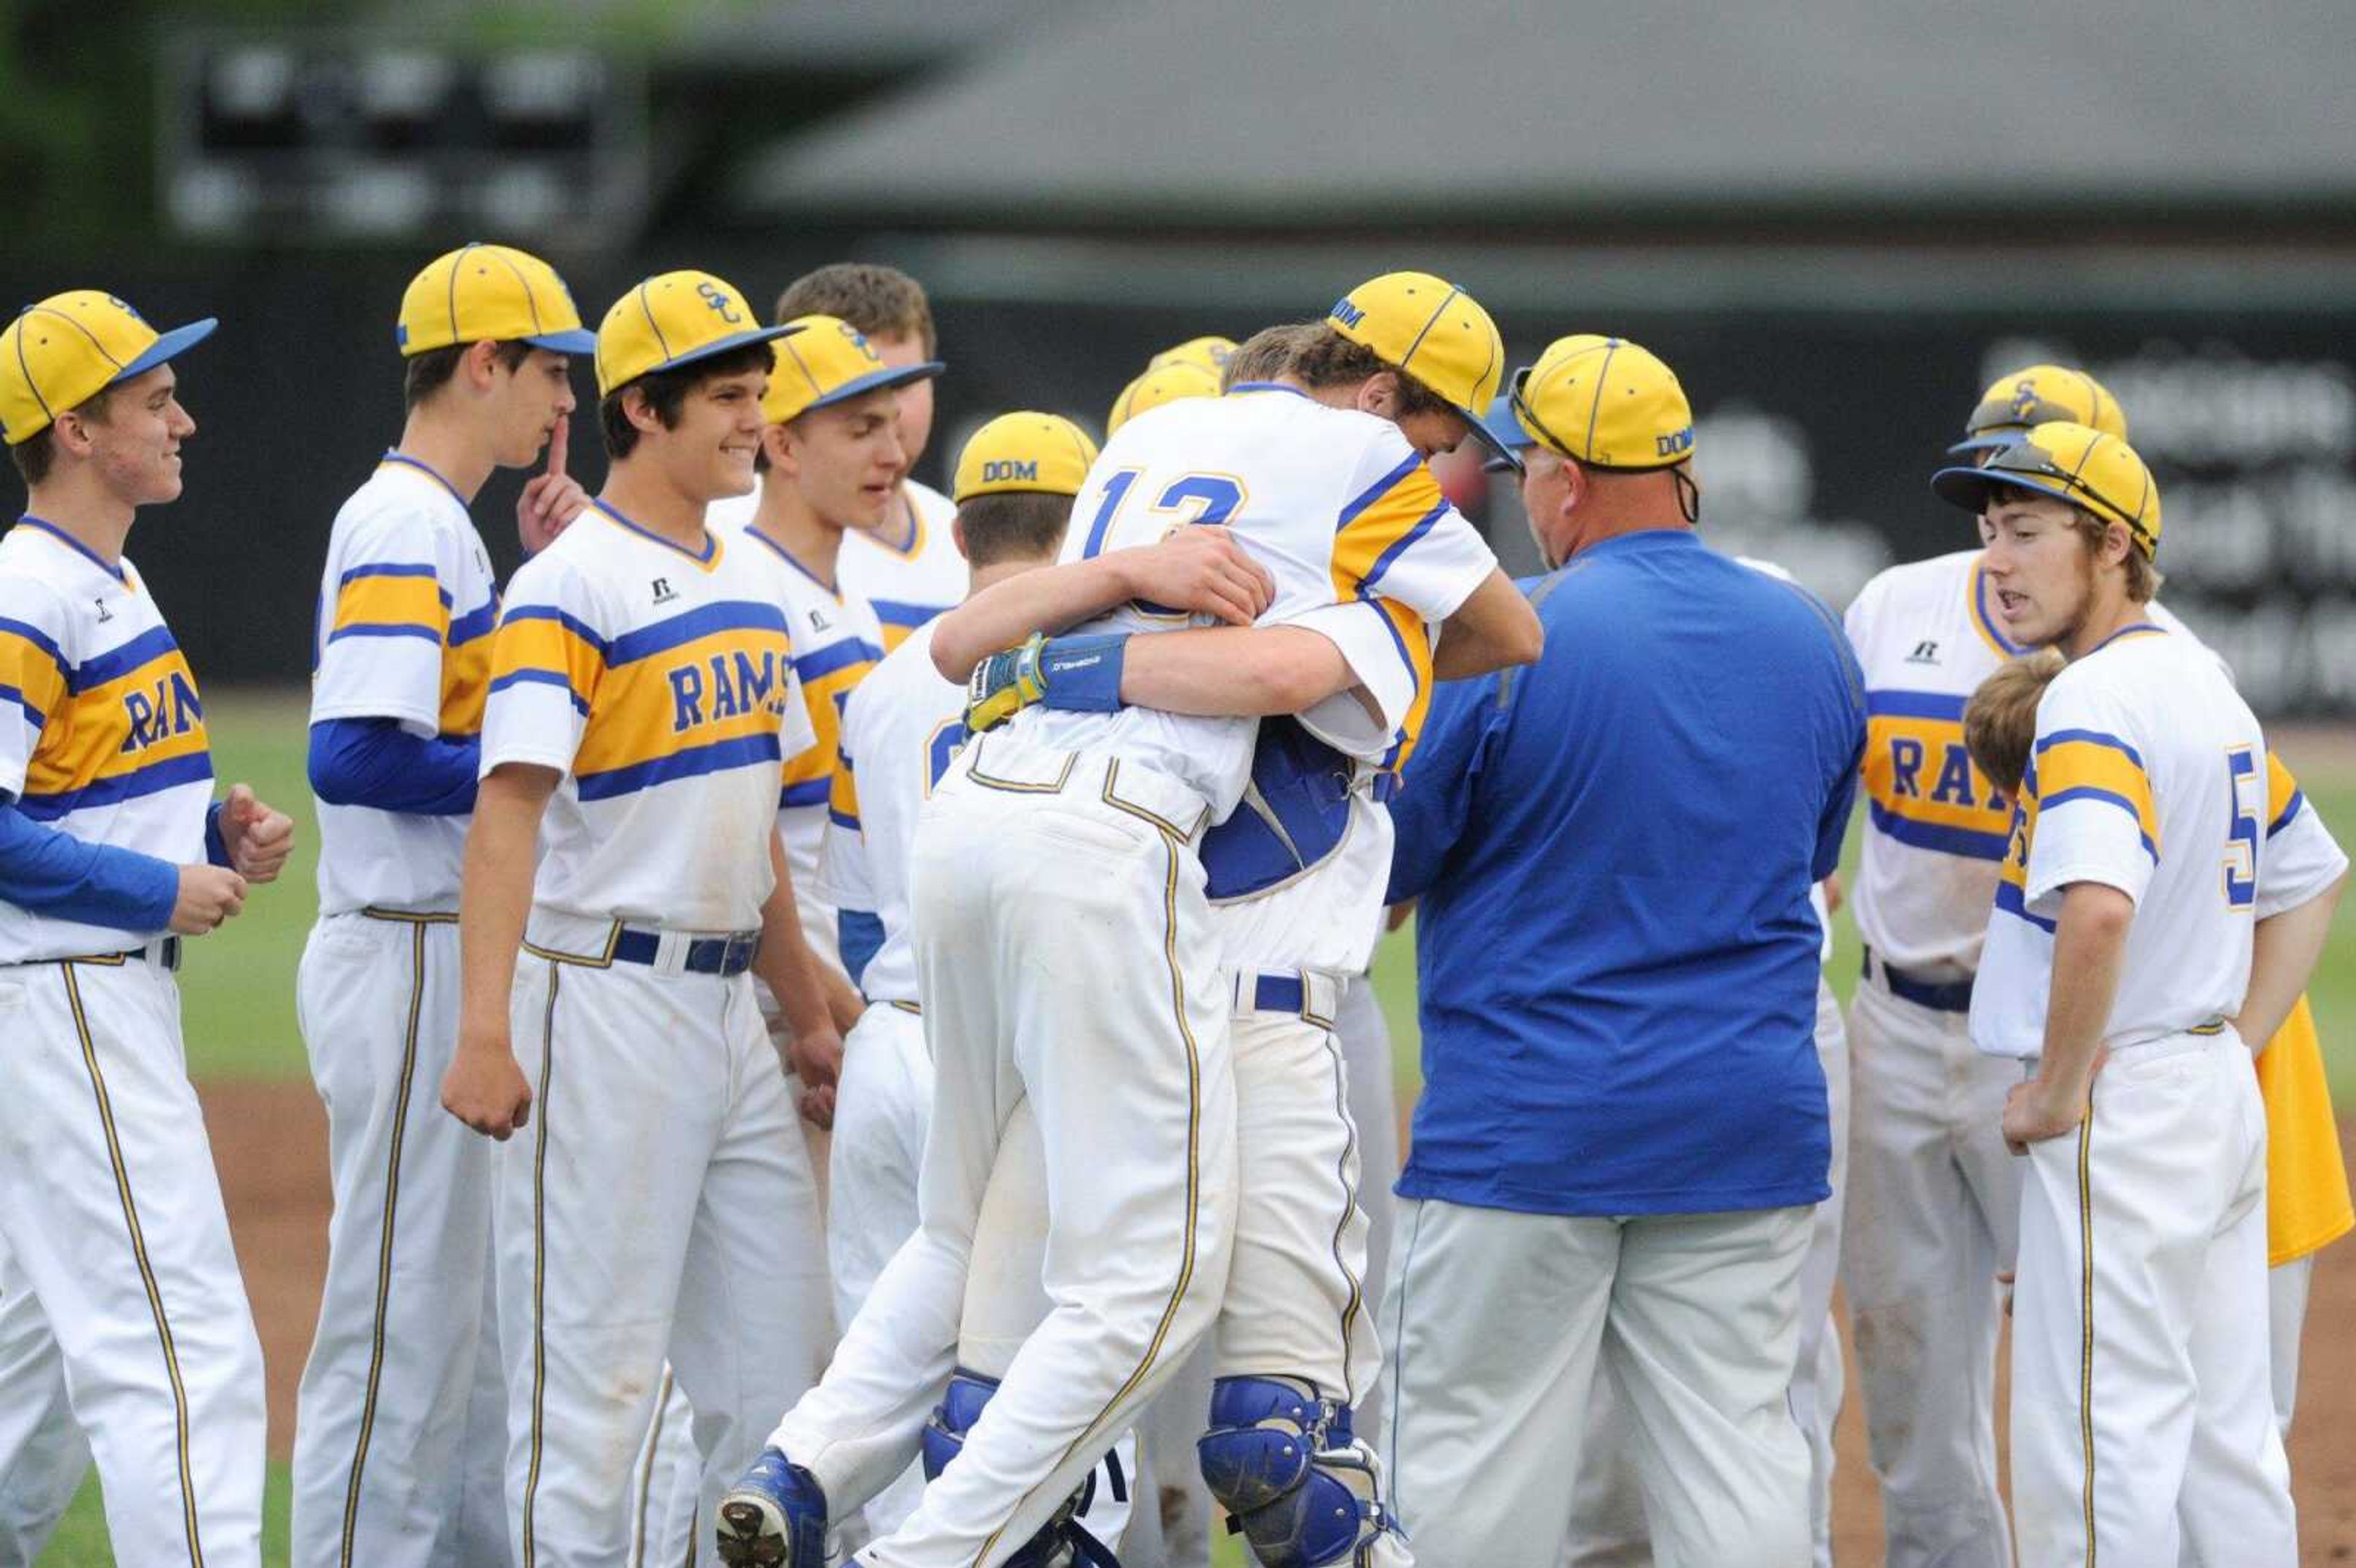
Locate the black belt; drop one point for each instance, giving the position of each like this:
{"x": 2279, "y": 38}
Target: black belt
{"x": 730, "y": 955}
{"x": 164, "y": 955}
{"x": 1939, "y": 996}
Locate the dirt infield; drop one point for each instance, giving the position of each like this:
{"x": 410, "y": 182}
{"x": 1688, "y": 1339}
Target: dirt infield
{"x": 271, "y": 1140}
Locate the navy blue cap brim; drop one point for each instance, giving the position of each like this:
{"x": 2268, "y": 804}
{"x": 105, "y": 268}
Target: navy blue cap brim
{"x": 1501, "y": 456}
{"x": 1969, "y": 487}
{"x": 1507, "y": 435}
{"x": 581, "y": 340}
{"x": 166, "y": 346}
{"x": 722, "y": 346}
{"x": 877, "y": 380}
{"x": 1985, "y": 443}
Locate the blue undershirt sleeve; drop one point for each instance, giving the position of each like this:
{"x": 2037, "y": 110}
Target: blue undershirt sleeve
{"x": 375, "y": 762}
{"x": 860, "y": 934}
{"x": 216, "y": 846}
{"x": 57, "y": 874}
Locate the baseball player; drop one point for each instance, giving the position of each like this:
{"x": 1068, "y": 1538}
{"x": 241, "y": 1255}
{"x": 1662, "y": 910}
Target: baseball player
{"x": 642, "y": 701}
{"x": 1014, "y": 484}
{"x": 1932, "y": 1215}
{"x": 398, "y": 1378}
{"x": 1116, "y": 1031}
{"x": 2136, "y": 869}
{"x": 124, "y": 1286}
{"x": 904, "y": 564}
{"x": 832, "y": 461}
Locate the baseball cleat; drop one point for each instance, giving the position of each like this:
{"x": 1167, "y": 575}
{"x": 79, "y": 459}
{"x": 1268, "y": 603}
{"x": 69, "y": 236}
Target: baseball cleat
{"x": 775, "y": 1517}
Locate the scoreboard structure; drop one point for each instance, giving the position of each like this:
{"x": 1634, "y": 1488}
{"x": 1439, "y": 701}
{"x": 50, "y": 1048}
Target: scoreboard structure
{"x": 344, "y": 137}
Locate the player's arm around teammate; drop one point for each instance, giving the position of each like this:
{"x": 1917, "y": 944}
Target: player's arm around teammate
{"x": 110, "y": 1209}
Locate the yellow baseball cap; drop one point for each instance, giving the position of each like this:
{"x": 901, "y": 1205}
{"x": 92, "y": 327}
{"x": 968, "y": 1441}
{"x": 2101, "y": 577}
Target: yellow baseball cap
{"x": 1433, "y": 331}
{"x": 2039, "y": 394}
{"x": 493, "y": 293}
{"x": 1211, "y": 351}
{"x": 1605, "y": 402}
{"x": 2071, "y": 462}
{"x": 1164, "y": 381}
{"x": 831, "y": 361}
{"x": 674, "y": 319}
{"x": 61, "y": 353}
{"x": 1027, "y": 452}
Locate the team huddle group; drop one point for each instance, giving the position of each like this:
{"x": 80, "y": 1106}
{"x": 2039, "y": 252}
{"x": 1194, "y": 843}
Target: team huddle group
{"x": 907, "y": 954}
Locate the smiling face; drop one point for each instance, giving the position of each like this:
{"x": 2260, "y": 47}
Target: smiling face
{"x": 2045, "y": 580}
{"x": 132, "y": 437}
{"x": 707, "y": 452}
{"x": 846, "y": 459}
{"x": 525, "y": 404}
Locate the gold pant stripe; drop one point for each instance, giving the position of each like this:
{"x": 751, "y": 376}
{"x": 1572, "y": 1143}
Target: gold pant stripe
{"x": 147, "y": 1270}
{"x": 540, "y": 1264}
{"x": 2086, "y": 1315}
{"x": 384, "y": 1245}
{"x": 1349, "y": 1199}
{"x": 1170, "y": 843}
{"x": 647, "y": 1470}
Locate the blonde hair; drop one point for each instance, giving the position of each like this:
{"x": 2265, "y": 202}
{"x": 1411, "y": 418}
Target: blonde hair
{"x": 2000, "y": 720}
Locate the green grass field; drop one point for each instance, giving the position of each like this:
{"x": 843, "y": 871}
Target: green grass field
{"x": 238, "y": 988}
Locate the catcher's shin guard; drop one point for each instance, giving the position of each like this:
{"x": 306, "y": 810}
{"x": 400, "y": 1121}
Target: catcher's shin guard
{"x": 775, "y": 1517}
{"x": 1063, "y": 1539}
{"x": 1283, "y": 1464}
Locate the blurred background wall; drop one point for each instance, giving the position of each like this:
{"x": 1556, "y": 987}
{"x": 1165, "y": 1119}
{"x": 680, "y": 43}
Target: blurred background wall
{"x": 1839, "y": 220}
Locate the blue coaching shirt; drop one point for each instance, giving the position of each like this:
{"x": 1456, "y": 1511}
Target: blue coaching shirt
{"x": 1614, "y": 848}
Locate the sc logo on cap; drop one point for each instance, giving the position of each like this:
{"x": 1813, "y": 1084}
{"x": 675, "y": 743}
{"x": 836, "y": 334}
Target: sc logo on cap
{"x": 720, "y": 302}
{"x": 1004, "y": 470}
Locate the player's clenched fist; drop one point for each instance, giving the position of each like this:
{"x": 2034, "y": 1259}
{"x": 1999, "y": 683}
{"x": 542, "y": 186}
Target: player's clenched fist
{"x": 209, "y": 895}
{"x": 815, "y": 1058}
{"x": 1202, "y": 570}
{"x": 484, "y": 1088}
{"x": 259, "y": 838}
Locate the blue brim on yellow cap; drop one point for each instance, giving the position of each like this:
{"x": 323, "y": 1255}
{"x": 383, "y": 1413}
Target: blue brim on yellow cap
{"x": 1500, "y": 454}
{"x": 166, "y": 346}
{"x": 1983, "y": 442}
{"x": 581, "y": 340}
{"x": 1969, "y": 487}
{"x": 1504, "y": 431}
{"x": 876, "y": 380}
{"x": 722, "y": 346}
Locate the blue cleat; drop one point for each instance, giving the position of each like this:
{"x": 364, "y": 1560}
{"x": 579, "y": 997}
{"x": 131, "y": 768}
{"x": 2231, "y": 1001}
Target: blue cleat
{"x": 774, "y": 1518}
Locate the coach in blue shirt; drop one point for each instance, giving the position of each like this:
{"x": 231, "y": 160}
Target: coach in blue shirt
{"x": 1624, "y": 1124}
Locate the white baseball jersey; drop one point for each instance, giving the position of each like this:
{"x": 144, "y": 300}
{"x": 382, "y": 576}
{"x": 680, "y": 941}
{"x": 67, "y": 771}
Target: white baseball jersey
{"x": 899, "y": 730}
{"x": 2148, "y": 774}
{"x": 1330, "y": 916}
{"x": 910, "y": 569}
{"x": 2301, "y": 859}
{"x": 101, "y": 732}
{"x": 1926, "y": 635}
{"x": 660, "y": 682}
{"x": 1333, "y": 502}
{"x": 403, "y": 631}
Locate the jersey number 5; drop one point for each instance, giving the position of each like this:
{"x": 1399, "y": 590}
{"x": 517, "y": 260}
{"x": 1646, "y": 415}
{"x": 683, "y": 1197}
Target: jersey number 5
{"x": 2245, "y": 790}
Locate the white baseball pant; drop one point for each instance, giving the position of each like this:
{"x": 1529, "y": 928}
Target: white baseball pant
{"x": 1608, "y": 1529}
{"x": 1066, "y": 957}
{"x": 1499, "y": 1325}
{"x": 659, "y": 1203}
{"x": 399, "y": 1379}
{"x": 43, "y": 1457}
{"x": 1366, "y": 1038}
{"x": 1932, "y": 1213}
{"x": 2140, "y": 1395}
{"x": 111, "y": 1215}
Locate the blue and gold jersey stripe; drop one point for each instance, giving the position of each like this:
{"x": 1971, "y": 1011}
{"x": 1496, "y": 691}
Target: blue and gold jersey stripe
{"x": 1378, "y": 526}
{"x": 1413, "y": 639}
{"x": 2087, "y": 764}
{"x": 2283, "y": 798}
{"x": 2012, "y": 877}
{"x": 827, "y": 676}
{"x": 467, "y": 669}
{"x": 1922, "y": 787}
{"x": 695, "y": 694}
{"x": 842, "y": 795}
{"x": 541, "y": 643}
{"x": 897, "y": 619}
{"x": 390, "y": 599}
{"x": 125, "y": 723}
